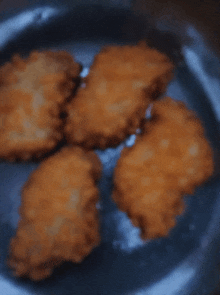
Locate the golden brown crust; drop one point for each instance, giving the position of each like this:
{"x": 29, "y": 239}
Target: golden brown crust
{"x": 189, "y": 157}
{"x": 32, "y": 92}
{"x": 170, "y": 158}
{"x": 121, "y": 83}
{"x": 59, "y": 219}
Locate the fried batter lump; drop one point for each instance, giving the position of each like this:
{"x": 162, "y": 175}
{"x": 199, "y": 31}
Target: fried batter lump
{"x": 169, "y": 159}
{"x": 58, "y": 215}
{"x": 117, "y": 91}
{"x": 32, "y": 92}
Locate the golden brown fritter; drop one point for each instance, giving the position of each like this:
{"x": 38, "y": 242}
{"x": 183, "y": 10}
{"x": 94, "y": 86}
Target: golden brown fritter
{"x": 32, "y": 92}
{"x": 59, "y": 219}
{"x": 169, "y": 159}
{"x": 117, "y": 91}
{"x": 189, "y": 157}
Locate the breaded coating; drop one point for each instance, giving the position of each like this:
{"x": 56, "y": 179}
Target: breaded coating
{"x": 169, "y": 159}
{"x": 121, "y": 83}
{"x": 59, "y": 219}
{"x": 32, "y": 92}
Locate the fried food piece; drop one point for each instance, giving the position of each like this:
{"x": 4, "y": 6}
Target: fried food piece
{"x": 59, "y": 219}
{"x": 188, "y": 157}
{"x": 169, "y": 159}
{"x": 121, "y": 83}
{"x": 32, "y": 93}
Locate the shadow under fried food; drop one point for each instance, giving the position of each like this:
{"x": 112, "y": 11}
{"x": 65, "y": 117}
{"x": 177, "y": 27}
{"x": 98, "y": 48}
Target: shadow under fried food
{"x": 33, "y": 91}
{"x": 118, "y": 89}
{"x": 169, "y": 159}
{"x": 58, "y": 214}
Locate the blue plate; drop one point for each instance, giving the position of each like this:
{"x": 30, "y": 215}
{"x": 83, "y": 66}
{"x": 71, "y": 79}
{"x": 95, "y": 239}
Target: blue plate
{"x": 186, "y": 261}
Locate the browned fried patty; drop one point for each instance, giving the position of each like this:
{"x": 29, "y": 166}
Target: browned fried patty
{"x": 58, "y": 215}
{"x": 169, "y": 159}
{"x": 32, "y": 92}
{"x": 112, "y": 103}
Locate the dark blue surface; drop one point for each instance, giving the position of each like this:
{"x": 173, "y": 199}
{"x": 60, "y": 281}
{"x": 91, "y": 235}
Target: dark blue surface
{"x": 123, "y": 264}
